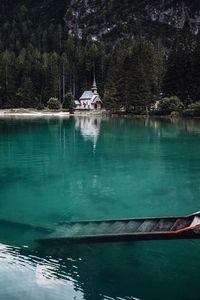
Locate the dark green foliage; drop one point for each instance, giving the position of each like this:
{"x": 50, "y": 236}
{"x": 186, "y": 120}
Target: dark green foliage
{"x": 40, "y": 106}
{"x": 182, "y": 77}
{"x": 25, "y": 93}
{"x": 168, "y": 105}
{"x": 178, "y": 78}
{"x": 39, "y": 59}
{"x": 54, "y": 103}
{"x": 195, "y": 106}
{"x": 193, "y": 110}
{"x": 196, "y": 71}
{"x": 133, "y": 76}
{"x": 52, "y": 48}
{"x": 68, "y": 102}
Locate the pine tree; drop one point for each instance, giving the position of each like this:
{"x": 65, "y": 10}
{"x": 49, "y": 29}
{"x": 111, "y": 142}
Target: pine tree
{"x": 38, "y": 52}
{"x": 25, "y": 93}
{"x": 116, "y": 80}
{"x": 196, "y": 71}
{"x": 132, "y": 79}
{"x": 178, "y": 77}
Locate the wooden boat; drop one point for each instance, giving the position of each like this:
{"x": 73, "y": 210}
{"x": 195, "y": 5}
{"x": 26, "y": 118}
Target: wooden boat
{"x": 179, "y": 227}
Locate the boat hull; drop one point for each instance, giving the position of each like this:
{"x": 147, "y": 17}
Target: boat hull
{"x": 181, "y": 227}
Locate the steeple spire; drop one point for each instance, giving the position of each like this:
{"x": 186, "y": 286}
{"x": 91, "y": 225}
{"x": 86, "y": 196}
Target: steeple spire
{"x": 94, "y": 86}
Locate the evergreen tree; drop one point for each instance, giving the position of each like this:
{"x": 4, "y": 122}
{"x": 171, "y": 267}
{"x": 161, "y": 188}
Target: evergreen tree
{"x": 68, "y": 101}
{"x": 132, "y": 78}
{"x": 115, "y": 85}
{"x": 42, "y": 57}
{"x": 25, "y": 93}
{"x": 196, "y": 71}
{"x": 178, "y": 77}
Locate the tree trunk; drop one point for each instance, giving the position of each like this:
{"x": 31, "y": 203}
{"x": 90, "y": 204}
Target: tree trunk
{"x": 63, "y": 79}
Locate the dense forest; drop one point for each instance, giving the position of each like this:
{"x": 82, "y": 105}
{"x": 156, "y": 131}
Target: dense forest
{"x": 140, "y": 52}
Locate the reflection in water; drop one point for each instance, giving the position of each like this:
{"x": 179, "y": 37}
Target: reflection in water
{"x": 49, "y": 174}
{"x": 102, "y": 271}
{"x": 89, "y": 127}
{"x": 31, "y": 277}
{"x": 173, "y": 127}
{"x": 55, "y": 273}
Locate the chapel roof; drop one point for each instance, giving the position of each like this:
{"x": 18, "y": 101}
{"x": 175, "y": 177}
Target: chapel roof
{"x": 87, "y": 95}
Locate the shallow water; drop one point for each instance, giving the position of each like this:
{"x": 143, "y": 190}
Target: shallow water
{"x": 57, "y": 169}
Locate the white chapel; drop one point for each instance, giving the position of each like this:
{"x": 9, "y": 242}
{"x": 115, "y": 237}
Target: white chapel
{"x": 90, "y": 99}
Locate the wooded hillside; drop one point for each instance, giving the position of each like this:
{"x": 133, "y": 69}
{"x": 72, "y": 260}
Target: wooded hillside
{"x": 51, "y": 47}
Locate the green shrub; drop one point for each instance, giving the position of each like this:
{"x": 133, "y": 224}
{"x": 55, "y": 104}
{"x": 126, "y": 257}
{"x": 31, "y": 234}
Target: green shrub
{"x": 196, "y": 108}
{"x": 68, "y": 102}
{"x": 138, "y": 111}
{"x": 54, "y": 103}
{"x": 169, "y": 104}
{"x": 193, "y": 110}
{"x": 188, "y": 113}
{"x": 40, "y": 106}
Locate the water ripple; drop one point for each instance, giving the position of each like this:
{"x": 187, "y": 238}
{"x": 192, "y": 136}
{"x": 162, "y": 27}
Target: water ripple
{"x": 31, "y": 277}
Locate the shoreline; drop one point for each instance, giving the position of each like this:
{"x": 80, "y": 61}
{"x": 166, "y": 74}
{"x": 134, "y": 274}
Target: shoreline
{"x": 31, "y": 112}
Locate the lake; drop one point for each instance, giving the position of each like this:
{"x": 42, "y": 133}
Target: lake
{"x": 80, "y": 168}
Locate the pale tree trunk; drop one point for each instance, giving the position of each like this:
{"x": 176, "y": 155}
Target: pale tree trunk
{"x": 59, "y": 87}
{"x": 63, "y": 79}
{"x": 70, "y": 82}
{"x": 74, "y": 85}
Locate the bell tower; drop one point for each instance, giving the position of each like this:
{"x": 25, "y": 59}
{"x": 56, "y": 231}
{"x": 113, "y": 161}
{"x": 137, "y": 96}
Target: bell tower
{"x": 94, "y": 86}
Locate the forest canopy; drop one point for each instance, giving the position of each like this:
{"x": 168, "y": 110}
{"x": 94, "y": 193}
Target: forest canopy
{"x": 44, "y": 53}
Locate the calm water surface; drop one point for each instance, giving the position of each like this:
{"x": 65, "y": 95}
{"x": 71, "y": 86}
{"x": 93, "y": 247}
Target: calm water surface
{"x": 54, "y": 169}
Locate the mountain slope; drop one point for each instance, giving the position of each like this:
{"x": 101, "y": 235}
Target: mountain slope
{"x": 111, "y": 19}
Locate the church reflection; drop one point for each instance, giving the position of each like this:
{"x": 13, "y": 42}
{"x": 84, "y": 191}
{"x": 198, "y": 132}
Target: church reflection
{"x": 89, "y": 128}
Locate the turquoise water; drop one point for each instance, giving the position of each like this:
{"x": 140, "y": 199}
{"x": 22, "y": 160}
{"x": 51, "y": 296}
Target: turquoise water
{"x": 56, "y": 169}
